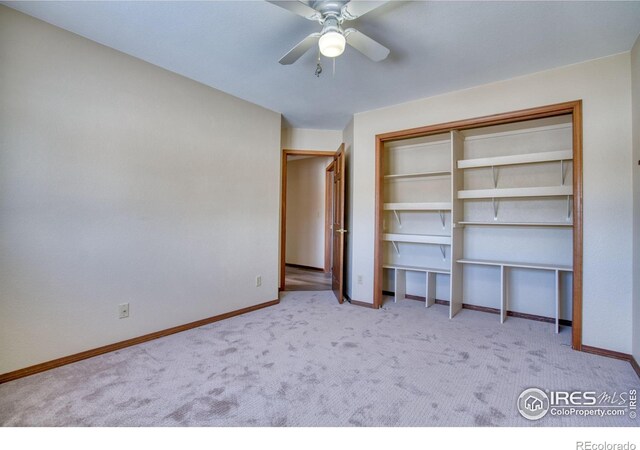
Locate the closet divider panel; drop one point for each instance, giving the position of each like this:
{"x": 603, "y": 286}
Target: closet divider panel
{"x": 457, "y": 232}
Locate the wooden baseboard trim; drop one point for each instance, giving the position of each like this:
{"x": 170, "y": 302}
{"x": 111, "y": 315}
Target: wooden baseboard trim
{"x": 563, "y": 322}
{"x": 607, "y": 353}
{"x": 300, "y": 266}
{"x": 407, "y": 296}
{"x": 365, "y": 304}
{"x": 486, "y": 309}
{"x": 613, "y": 354}
{"x": 358, "y": 303}
{"x": 37, "y": 368}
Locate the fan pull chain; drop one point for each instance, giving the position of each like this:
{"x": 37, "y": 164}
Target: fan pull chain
{"x": 334, "y": 67}
{"x": 318, "y": 66}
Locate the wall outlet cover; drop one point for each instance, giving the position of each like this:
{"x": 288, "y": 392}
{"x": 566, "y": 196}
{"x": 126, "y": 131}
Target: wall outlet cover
{"x": 123, "y": 310}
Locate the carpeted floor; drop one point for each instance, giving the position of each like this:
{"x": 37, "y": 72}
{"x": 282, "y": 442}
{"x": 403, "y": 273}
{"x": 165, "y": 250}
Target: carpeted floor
{"x": 312, "y": 362}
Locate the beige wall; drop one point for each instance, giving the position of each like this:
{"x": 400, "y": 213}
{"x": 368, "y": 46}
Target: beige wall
{"x": 123, "y": 182}
{"x": 306, "y": 211}
{"x": 605, "y": 87}
{"x": 307, "y": 139}
{"x": 635, "y": 164}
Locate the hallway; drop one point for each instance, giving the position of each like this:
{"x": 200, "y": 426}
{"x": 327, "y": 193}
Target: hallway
{"x": 301, "y": 279}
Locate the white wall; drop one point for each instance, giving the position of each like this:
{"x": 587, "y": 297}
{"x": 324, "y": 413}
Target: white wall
{"x": 306, "y": 211}
{"x": 307, "y": 139}
{"x": 604, "y": 86}
{"x": 635, "y": 164}
{"x": 347, "y": 138}
{"x": 123, "y": 182}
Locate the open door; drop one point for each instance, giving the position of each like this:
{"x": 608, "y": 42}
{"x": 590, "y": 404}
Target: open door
{"x": 338, "y": 231}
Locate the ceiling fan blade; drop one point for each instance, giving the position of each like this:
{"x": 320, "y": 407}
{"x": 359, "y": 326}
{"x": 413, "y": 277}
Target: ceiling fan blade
{"x": 298, "y": 8}
{"x": 365, "y": 45}
{"x": 355, "y": 9}
{"x": 300, "y": 49}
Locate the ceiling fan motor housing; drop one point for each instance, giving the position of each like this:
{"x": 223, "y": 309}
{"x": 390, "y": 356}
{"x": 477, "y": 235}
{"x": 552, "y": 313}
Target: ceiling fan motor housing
{"x": 329, "y": 8}
{"x": 332, "y": 23}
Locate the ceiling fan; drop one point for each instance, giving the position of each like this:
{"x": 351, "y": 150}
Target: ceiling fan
{"x": 332, "y": 39}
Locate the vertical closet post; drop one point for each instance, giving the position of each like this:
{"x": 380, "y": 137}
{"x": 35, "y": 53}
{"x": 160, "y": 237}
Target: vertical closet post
{"x": 400, "y": 285}
{"x": 431, "y": 289}
{"x": 457, "y": 231}
{"x": 504, "y": 293}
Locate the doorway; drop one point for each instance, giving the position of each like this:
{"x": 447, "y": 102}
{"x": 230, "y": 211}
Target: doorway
{"x": 312, "y": 206}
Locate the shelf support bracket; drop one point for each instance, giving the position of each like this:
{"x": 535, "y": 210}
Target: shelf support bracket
{"x": 442, "y": 218}
{"x": 563, "y": 172}
{"x": 443, "y": 251}
{"x": 495, "y": 173}
{"x": 495, "y": 204}
{"x": 397, "y": 217}
{"x": 568, "y": 207}
{"x": 395, "y": 245}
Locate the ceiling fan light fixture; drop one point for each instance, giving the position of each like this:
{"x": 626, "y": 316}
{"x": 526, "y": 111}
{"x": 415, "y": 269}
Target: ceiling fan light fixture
{"x": 332, "y": 44}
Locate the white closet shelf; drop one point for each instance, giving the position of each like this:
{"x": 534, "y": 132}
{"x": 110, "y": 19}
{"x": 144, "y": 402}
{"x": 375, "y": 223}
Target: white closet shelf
{"x": 397, "y": 176}
{"x": 484, "y": 262}
{"x": 432, "y": 206}
{"x": 519, "y": 224}
{"x": 545, "y": 191}
{"x": 472, "y": 136}
{"x": 400, "y": 146}
{"x": 527, "y": 158}
{"x": 418, "y": 238}
{"x": 416, "y": 268}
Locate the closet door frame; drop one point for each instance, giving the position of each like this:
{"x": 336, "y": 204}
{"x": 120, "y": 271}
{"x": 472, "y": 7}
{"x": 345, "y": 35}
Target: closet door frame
{"x": 574, "y": 108}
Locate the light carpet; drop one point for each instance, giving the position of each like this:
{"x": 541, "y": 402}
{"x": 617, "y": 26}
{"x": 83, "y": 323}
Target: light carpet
{"x": 312, "y": 362}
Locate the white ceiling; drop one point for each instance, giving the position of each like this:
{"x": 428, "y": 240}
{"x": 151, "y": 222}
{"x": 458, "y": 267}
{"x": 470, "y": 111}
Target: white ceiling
{"x": 436, "y": 47}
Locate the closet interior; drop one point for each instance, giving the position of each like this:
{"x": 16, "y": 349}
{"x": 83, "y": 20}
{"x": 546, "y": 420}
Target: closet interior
{"x": 482, "y": 217}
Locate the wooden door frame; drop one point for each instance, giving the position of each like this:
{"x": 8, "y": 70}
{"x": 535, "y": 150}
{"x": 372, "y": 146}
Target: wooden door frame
{"x": 283, "y": 204}
{"x": 574, "y": 108}
{"x": 338, "y": 234}
{"x": 328, "y": 215}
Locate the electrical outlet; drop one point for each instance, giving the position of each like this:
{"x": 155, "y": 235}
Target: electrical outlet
{"x": 123, "y": 310}
{"x": 359, "y": 279}
{"x": 259, "y": 281}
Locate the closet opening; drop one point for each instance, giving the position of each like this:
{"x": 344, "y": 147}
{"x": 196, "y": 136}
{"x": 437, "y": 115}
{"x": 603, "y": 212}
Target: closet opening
{"x": 485, "y": 214}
